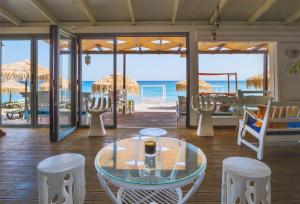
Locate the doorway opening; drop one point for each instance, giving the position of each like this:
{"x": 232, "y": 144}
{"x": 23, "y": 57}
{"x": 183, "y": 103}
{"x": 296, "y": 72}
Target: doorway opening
{"x": 144, "y": 70}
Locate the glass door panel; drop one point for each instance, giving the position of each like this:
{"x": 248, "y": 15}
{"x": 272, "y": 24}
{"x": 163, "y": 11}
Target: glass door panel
{"x": 97, "y": 75}
{"x": 15, "y": 82}
{"x": 43, "y": 87}
{"x": 63, "y": 80}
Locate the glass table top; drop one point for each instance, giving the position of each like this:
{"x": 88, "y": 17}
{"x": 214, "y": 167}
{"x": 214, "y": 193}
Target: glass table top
{"x": 174, "y": 161}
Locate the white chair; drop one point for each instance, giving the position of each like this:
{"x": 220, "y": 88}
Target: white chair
{"x": 204, "y": 106}
{"x": 61, "y": 179}
{"x": 245, "y": 180}
{"x": 96, "y": 121}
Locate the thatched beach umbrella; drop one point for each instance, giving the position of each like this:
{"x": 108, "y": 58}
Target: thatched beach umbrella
{"x": 203, "y": 86}
{"x": 256, "y": 81}
{"x": 63, "y": 84}
{"x": 11, "y": 87}
{"x": 106, "y": 84}
{"x": 22, "y": 71}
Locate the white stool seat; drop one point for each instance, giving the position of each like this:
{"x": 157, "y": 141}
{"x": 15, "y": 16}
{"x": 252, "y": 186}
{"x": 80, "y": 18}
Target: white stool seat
{"x": 61, "y": 163}
{"x": 246, "y": 167}
{"x": 62, "y": 179}
{"x": 245, "y": 180}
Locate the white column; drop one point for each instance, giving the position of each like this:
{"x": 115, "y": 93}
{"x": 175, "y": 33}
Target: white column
{"x": 273, "y": 73}
{"x": 193, "y": 59}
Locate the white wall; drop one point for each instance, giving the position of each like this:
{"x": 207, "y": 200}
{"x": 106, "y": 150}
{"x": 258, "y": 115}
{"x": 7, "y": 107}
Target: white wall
{"x": 288, "y": 85}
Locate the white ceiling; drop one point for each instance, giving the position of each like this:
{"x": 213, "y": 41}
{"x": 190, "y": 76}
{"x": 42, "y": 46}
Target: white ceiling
{"x": 146, "y": 10}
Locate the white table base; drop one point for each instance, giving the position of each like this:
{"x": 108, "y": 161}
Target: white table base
{"x": 143, "y": 194}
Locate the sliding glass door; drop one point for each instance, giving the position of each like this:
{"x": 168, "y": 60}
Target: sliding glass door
{"x": 63, "y": 83}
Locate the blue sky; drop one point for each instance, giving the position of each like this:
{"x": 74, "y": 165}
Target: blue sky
{"x": 145, "y": 67}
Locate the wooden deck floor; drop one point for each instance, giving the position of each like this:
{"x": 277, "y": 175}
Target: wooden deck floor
{"x": 22, "y": 149}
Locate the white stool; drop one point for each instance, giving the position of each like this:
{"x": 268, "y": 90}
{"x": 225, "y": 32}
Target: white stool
{"x": 61, "y": 179}
{"x": 245, "y": 180}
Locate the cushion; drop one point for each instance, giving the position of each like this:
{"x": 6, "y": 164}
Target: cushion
{"x": 251, "y": 123}
{"x": 293, "y": 124}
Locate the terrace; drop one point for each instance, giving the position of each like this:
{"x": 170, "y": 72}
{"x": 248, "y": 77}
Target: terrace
{"x": 137, "y": 101}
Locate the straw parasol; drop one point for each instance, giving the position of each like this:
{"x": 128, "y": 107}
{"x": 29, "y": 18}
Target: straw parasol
{"x": 12, "y": 87}
{"x": 256, "y": 81}
{"x": 63, "y": 84}
{"x": 203, "y": 86}
{"x": 22, "y": 70}
{"x": 106, "y": 84}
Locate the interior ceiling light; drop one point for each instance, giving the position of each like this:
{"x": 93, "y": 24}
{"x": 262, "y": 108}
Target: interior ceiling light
{"x": 87, "y": 59}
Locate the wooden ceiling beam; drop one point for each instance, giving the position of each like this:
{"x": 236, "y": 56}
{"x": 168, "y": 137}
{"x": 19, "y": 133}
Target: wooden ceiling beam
{"x": 293, "y": 18}
{"x": 131, "y": 12}
{"x": 174, "y": 13}
{"x": 261, "y": 10}
{"x": 44, "y": 11}
{"x": 86, "y": 9}
{"x": 10, "y": 17}
{"x": 221, "y": 4}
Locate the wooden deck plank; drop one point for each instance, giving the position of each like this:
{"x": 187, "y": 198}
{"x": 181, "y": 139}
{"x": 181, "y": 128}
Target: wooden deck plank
{"x": 22, "y": 149}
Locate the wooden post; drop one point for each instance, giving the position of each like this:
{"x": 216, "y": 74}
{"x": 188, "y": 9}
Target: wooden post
{"x": 265, "y": 73}
{"x": 192, "y": 77}
{"x": 236, "y": 83}
{"x": 228, "y": 82}
{"x": 124, "y": 71}
{"x": 124, "y": 79}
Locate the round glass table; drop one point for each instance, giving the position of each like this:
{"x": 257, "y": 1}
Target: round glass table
{"x": 143, "y": 178}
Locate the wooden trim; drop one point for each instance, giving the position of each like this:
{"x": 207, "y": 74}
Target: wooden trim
{"x": 9, "y": 16}
{"x": 261, "y": 10}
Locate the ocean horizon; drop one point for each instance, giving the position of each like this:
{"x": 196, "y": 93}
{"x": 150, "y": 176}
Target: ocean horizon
{"x": 154, "y": 90}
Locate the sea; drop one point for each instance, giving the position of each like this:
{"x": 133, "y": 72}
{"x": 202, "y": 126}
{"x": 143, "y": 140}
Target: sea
{"x": 153, "y": 90}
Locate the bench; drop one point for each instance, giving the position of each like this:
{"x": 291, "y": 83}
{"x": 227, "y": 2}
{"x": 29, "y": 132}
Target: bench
{"x": 280, "y": 122}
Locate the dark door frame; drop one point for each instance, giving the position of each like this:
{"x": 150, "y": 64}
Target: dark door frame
{"x": 114, "y": 36}
{"x": 33, "y": 38}
{"x": 55, "y": 31}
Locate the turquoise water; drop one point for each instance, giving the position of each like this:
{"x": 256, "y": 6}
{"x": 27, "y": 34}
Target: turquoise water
{"x": 170, "y": 87}
{"x": 156, "y": 92}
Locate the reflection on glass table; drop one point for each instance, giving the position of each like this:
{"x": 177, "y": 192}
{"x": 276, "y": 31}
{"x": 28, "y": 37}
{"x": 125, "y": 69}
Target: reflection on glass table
{"x": 146, "y": 179}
